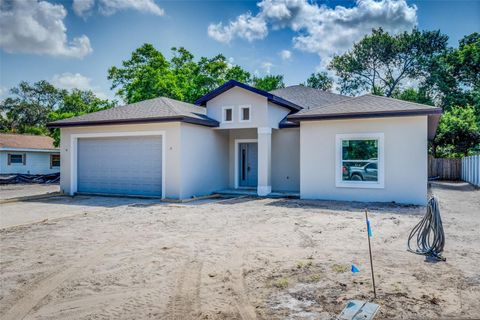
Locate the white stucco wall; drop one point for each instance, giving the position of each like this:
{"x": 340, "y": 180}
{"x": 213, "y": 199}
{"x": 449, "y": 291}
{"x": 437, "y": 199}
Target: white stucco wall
{"x": 36, "y": 163}
{"x": 205, "y": 164}
{"x": 286, "y": 159}
{"x": 234, "y": 98}
{"x": 406, "y": 160}
{"x": 172, "y": 141}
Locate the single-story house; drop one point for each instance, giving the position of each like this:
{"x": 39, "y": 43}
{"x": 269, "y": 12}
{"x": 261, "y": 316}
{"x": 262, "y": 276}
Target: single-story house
{"x": 297, "y": 139}
{"x": 28, "y": 154}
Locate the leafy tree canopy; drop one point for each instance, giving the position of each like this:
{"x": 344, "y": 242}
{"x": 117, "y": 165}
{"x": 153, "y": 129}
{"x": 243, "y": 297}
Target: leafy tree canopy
{"x": 268, "y": 83}
{"x": 458, "y": 133}
{"x": 380, "y": 63}
{"x": 148, "y": 74}
{"x": 320, "y": 80}
{"x": 30, "y": 106}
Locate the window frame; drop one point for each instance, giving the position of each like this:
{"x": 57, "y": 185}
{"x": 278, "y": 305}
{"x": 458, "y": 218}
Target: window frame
{"x": 240, "y": 117}
{"x": 9, "y": 158}
{"x": 224, "y": 114}
{"x": 339, "y": 182}
{"x": 51, "y": 161}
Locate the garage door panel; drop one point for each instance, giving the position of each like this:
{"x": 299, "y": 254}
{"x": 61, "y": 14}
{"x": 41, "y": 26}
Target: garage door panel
{"x": 120, "y": 165}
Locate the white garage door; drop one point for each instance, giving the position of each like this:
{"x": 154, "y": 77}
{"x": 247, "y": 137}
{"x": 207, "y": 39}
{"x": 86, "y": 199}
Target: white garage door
{"x": 120, "y": 165}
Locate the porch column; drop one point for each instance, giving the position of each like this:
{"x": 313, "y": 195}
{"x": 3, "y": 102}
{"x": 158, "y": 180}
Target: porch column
{"x": 264, "y": 161}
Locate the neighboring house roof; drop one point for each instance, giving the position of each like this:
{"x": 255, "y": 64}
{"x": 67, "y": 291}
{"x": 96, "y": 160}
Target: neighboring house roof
{"x": 307, "y": 97}
{"x": 154, "y": 110}
{"x": 26, "y": 141}
{"x": 365, "y": 106}
{"x": 233, "y": 83}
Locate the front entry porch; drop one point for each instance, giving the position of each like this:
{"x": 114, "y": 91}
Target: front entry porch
{"x": 252, "y": 161}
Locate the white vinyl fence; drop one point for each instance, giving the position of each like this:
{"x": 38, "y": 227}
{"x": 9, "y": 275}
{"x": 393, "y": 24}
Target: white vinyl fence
{"x": 471, "y": 170}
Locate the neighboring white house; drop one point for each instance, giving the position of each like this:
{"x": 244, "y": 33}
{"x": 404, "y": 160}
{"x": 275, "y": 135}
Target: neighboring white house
{"x": 28, "y": 154}
{"x": 296, "y": 139}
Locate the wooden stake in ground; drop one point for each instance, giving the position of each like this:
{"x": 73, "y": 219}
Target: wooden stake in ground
{"x": 369, "y": 234}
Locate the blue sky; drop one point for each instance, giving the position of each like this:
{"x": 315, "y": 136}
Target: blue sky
{"x": 73, "y": 43}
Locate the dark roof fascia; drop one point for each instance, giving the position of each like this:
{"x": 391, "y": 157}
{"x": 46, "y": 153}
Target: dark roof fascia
{"x": 358, "y": 115}
{"x": 186, "y": 119}
{"x": 288, "y": 125}
{"x": 233, "y": 83}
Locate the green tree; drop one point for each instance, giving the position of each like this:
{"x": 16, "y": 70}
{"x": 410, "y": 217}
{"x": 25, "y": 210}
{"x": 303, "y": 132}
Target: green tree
{"x": 30, "y": 106}
{"x": 455, "y": 75}
{"x": 414, "y": 95}
{"x": 381, "y": 62}
{"x": 26, "y": 109}
{"x": 268, "y": 82}
{"x": 458, "y": 133}
{"x": 148, "y": 74}
{"x": 320, "y": 80}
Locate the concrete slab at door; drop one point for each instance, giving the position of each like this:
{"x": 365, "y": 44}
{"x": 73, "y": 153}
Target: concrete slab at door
{"x": 120, "y": 165}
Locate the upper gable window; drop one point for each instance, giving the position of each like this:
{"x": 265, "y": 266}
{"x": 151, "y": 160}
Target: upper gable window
{"x": 227, "y": 114}
{"x": 244, "y": 113}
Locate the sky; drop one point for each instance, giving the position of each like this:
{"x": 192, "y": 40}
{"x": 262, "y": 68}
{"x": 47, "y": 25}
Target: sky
{"x": 73, "y": 43}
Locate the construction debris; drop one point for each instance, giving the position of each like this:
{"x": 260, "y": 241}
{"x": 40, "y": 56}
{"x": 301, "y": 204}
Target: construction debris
{"x": 30, "y": 178}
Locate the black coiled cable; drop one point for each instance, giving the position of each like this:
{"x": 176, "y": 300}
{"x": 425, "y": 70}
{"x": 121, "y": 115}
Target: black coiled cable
{"x": 429, "y": 232}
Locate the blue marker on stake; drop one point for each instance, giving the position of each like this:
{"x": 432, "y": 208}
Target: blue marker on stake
{"x": 354, "y": 269}
{"x": 369, "y": 230}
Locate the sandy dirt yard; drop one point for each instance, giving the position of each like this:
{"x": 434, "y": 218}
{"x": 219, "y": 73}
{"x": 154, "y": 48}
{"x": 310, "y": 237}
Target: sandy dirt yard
{"x": 239, "y": 259}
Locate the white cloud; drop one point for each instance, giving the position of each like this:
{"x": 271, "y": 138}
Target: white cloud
{"x": 109, "y": 7}
{"x": 267, "y": 67}
{"x": 245, "y": 26}
{"x": 82, "y": 7}
{"x": 71, "y": 81}
{"x": 32, "y": 26}
{"x": 319, "y": 29}
{"x": 285, "y": 54}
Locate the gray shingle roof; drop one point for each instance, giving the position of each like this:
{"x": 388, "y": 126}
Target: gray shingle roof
{"x": 307, "y": 97}
{"x": 365, "y": 106}
{"x": 153, "y": 110}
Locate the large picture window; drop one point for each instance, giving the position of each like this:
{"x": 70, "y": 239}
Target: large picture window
{"x": 360, "y": 160}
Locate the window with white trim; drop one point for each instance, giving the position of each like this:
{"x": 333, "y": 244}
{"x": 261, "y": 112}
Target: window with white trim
{"x": 244, "y": 113}
{"x": 227, "y": 114}
{"x": 16, "y": 158}
{"x": 360, "y": 159}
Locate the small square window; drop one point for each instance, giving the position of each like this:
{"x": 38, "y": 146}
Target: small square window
{"x": 54, "y": 160}
{"x": 16, "y": 159}
{"x": 245, "y": 114}
{"x": 227, "y": 115}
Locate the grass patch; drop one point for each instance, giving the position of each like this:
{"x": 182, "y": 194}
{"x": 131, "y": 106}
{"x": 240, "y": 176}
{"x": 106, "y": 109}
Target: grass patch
{"x": 340, "y": 268}
{"x": 281, "y": 283}
{"x": 315, "y": 277}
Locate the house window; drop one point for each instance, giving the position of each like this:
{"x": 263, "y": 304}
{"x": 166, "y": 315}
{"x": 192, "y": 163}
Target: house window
{"x": 54, "y": 161}
{"x": 16, "y": 158}
{"x": 227, "y": 114}
{"x": 244, "y": 113}
{"x": 360, "y": 160}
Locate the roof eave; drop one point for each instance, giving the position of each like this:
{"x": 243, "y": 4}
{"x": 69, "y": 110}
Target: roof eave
{"x": 186, "y": 119}
{"x": 359, "y": 115}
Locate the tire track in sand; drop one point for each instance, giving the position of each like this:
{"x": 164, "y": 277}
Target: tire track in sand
{"x": 185, "y": 302}
{"x": 237, "y": 285}
{"x": 38, "y": 291}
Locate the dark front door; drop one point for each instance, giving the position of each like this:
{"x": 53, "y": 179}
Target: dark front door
{"x": 248, "y": 164}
